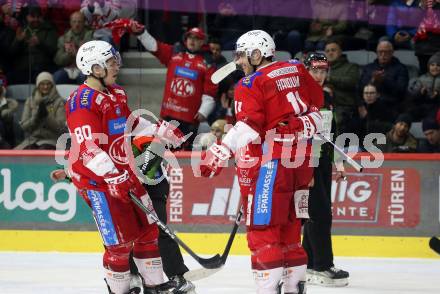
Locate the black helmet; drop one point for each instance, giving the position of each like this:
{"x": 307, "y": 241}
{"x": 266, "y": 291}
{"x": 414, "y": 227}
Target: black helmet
{"x": 316, "y": 60}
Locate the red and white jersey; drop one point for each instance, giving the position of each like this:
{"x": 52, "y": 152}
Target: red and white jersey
{"x": 96, "y": 122}
{"x": 269, "y": 96}
{"x": 188, "y": 78}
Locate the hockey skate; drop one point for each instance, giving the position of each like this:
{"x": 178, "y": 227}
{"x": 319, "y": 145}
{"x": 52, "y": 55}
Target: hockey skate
{"x": 301, "y": 288}
{"x": 182, "y": 286}
{"x": 332, "y": 277}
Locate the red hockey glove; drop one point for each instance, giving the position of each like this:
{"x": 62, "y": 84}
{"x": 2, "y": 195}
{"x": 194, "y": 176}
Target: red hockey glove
{"x": 302, "y": 127}
{"x": 170, "y": 134}
{"x": 214, "y": 159}
{"x": 119, "y": 185}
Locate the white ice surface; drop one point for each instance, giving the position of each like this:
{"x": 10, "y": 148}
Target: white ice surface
{"x": 62, "y": 273}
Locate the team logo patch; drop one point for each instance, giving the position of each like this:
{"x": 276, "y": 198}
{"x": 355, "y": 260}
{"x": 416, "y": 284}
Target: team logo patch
{"x": 99, "y": 99}
{"x": 247, "y": 81}
{"x": 117, "y": 151}
{"x": 85, "y": 97}
{"x": 118, "y": 111}
{"x": 116, "y": 126}
{"x": 182, "y": 87}
{"x": 186, "y": 73}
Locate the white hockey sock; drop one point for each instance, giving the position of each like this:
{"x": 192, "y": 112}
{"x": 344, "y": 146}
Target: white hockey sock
{"x": 119, "y": 282}
{"x": 267, "y": 280}
{"x": 151, "y": 270}
{"x": 292, "y": 276}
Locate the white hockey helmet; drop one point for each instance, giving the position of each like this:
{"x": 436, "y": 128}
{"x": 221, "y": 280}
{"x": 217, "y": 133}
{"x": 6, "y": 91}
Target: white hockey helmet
{"x": 253, "y": 40}
{"x": 95, "y": 52}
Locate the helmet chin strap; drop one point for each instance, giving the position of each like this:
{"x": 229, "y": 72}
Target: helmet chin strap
{"x": 101, "y": 80}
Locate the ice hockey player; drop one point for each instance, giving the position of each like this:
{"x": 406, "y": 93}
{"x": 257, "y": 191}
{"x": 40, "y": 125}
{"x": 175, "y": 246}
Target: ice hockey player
{"x": 317, "y": 230}
{"x": 96, "y": 117}
{"x": 276, "y": 109}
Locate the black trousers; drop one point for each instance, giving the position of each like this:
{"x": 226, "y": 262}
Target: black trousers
{"x": 169, "y": 250}
{"x": 317, "y": 230}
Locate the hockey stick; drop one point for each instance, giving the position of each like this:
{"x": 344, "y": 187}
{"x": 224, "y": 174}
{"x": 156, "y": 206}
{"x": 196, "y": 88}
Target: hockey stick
{"x": 198, "y": 274}
{"x": 434, "y": 243}
{"x": 349, "y": 160}
{"x": 223, "y": 72}
{"x": 210, "y": 263}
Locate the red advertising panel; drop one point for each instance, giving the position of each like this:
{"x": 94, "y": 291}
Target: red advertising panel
{"x": 383, "y": 197}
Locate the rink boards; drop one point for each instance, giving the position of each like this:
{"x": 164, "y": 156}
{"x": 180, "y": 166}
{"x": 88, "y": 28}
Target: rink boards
{"x": 389, "y": 211}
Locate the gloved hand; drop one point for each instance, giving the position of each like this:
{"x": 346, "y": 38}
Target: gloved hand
{"x": 214, "y": 159}
{"x": 120, "y": 184}
{"x": 42, "y": 110}
{"x": 169, "y": 134}
{"x": 302, "y": 127}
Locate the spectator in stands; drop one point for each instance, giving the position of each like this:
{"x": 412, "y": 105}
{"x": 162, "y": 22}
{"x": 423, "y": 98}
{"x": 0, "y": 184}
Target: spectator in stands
{"x": 343, "y": 77}
{"x": 33, "y": 48}
{"x": 215, "y": 136}
{"x": 216, "y": 50}
{"x": 388, "y": 74}
{"x": 7, "y": 35}
{"x": 43, "y": 118}
{"x": 374, "y": 115}
{"x": 399, "y": 139}
{"x": 431, "y": 130}
{"x": 402, "y": 21}
{"x": 98, "y": 13}
{"x": 68, "y": 45}
{"x": 427, "y": 38}
{"x": 7, "y": 109}
{"x": 229, "y": 25}
{"x": 188, "y": 93}
{"x": 290, "y": 32}
{"x": 424, "y": 91}
{"x": 329, "y": 20}
{"x": 59, "y": 13}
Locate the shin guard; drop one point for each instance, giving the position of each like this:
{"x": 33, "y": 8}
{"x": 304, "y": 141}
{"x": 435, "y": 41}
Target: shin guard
{"x": 293, "y": 278}
{"x": 267, "y": 280}
{"x": 147, "y": 258}
{"x": 117, "y": 282}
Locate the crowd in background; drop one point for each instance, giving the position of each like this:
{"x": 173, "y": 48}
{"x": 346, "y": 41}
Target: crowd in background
{"x": 39, "y": 40}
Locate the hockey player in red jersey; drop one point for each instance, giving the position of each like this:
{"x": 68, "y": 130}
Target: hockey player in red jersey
{"x": 98, "y": 165}
{"x": 275, "y": 106}
{"x": 189, "y": 93}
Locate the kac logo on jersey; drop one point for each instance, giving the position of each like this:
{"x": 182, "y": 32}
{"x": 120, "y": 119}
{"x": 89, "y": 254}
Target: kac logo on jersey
{"x": 182, "y": 87}
{"x": 117, "y": 151}
{"x": 118, "y": 111}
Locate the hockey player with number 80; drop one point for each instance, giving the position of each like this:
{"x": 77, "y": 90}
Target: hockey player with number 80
{"x": 275, "y": 112}
{"x": 98, "y": 166}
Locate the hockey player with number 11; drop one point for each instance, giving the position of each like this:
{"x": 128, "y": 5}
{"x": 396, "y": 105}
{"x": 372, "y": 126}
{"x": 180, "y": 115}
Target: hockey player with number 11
{"x": 96, "y": 114}
{"x": 276, "y": 111}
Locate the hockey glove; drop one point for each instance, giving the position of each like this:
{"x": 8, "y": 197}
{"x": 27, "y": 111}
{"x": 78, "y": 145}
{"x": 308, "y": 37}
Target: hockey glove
{"x": 302, "y": 127}
{"x": 170, "y": 134}
{"x": 214, "y": 159}
{"x": 118, "y": 186}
